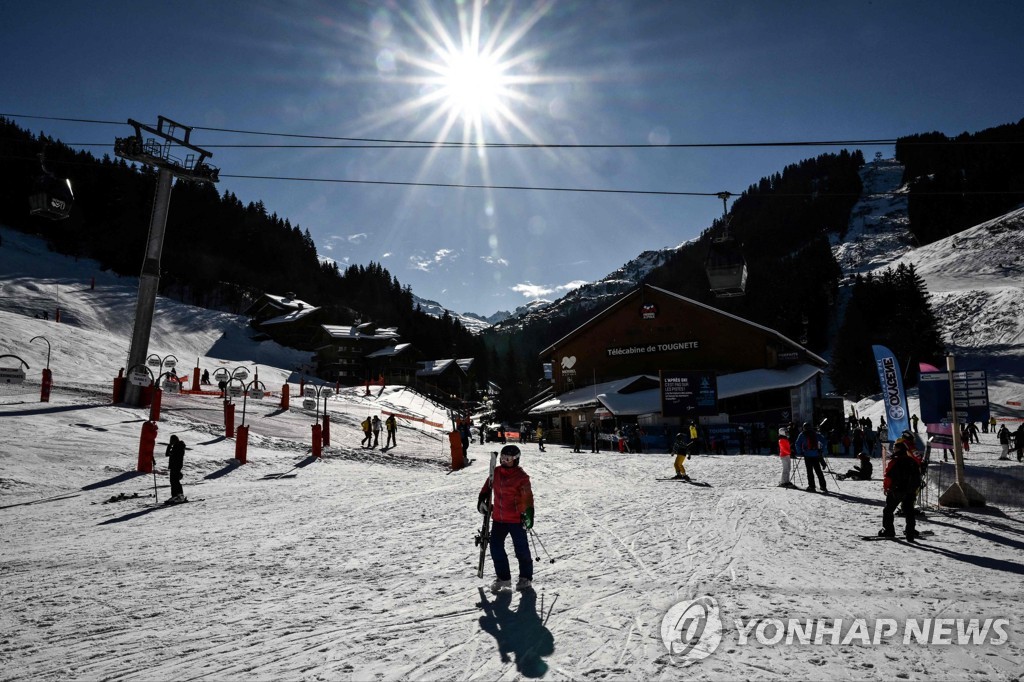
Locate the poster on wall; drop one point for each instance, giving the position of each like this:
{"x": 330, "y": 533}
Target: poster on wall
{"x": 688, "y": 394}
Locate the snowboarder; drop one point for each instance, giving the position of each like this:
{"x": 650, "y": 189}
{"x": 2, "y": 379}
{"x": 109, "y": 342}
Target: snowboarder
{"x": 809, "y": 445}
{"x": 375, "y": 425}
{"x": 391, "y": 426}
{"x": 176, "y": 462}
{"x": 682, "y": 448}
{"x": 785, "y": 450}
{"x": 512, "y": 514}
{"x": 861, "y": 472}
{"x": 902, "y": 479}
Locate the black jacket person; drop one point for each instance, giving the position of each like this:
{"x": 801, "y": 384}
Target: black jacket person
{"x": 176, "y": 462}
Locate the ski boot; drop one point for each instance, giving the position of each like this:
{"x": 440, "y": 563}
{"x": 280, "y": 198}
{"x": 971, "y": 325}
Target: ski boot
{"x": 499, "y": 586}
{"x": 524, "y": 584}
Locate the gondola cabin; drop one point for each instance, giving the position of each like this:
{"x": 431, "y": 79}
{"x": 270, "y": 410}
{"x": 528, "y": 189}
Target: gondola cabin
{"x": 726, "y": 269}
{"x": 51, "y": 198}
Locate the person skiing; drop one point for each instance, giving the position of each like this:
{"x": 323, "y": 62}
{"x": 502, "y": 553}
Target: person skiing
{"x": 391, "y": 426}
{"x": 176, "y": 462}
{"x": 902, "y": 479}
{"x": 861, "y": 472}
{"x": 375, "y": 426}
{"x": 809, "y": 445}
{"x": 785, "y": 452}
{"x": 1018, "y": 442}
{"x": 540, "y": 437}
{"x": 511, "y": 514}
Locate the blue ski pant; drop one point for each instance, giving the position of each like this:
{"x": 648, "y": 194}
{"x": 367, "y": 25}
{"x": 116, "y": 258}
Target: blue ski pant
{"x": 521, "y": 545}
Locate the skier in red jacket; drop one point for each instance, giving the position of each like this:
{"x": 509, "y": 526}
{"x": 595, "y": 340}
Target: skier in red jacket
{"x": 511, "y": 514}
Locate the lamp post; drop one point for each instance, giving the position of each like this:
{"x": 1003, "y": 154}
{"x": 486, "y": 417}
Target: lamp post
{"x": 321, "y": 434}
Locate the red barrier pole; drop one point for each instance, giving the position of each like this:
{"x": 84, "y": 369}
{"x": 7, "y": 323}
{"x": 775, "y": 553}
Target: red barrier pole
{"x": 229, "y": 419}
{"x": 147, "y": 441}
{"x": 327, "y": 430}
{"x": 44, "y": 391}
{"x": 316, "y": 440}
{"x": 242, "y": 444}
{"x": 154, "y": 407}
{"x": 195, "y": 379}
{"x": 118, "y": 396}
{"x": 284, "y": 397}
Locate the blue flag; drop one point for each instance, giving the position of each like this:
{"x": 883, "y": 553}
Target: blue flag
{"x": 895, "y": 400}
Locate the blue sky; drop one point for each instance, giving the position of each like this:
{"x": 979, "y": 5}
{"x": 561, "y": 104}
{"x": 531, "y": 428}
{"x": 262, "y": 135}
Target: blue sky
{"x": 584, "y": 73}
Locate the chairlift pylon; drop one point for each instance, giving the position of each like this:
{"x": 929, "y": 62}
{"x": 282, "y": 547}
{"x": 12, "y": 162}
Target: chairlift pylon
{"x": 724, "y": 264}
{"x": 51, "y": 196}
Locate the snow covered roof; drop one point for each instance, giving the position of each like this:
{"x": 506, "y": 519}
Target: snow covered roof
{"x": 435, "y": 367}
{"x": 350, "y": 332}
{"x": 588, "y": 396}
{"x": 292, "y": 316}
{"x": 286, "y": 302}
{"x": 622, "y": 402}
{"x": 390, "y": 351}
{"x": 465, "y": 363}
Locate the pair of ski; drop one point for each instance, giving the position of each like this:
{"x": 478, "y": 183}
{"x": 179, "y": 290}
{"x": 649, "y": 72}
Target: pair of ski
{"x": 700, "y": 484}
{"x": 899, "y": 538}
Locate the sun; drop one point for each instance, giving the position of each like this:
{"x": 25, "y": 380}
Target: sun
{"x": 472, "y": 84}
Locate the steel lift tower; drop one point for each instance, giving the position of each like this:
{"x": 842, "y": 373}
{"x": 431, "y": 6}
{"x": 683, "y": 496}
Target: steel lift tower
{"x": 156, "y": 151}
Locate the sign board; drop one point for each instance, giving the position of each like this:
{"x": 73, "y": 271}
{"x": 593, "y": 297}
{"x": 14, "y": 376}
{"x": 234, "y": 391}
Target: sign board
{"x": 234, "y": 390}
{"x": 170, "y": 363}
{"x": 689, "y": 394}
{"x": 11, "y": 375}
{"x": 256, "y": 394}
{"x": 309, "y": 392}
{"x": 153, "y": 361}
{"x": 308, "y": 404}
{"x": 221, "y": 374}
{"x": 171, "y": 386}
{"x": 970, "y": 396}
{"x": 139, "y": 377}
{"x": 240, "y": 373}
{"x": 326, "y": 392}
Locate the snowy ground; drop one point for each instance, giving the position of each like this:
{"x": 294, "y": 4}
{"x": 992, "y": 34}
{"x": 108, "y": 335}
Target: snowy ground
{"x": 361, "y": 565}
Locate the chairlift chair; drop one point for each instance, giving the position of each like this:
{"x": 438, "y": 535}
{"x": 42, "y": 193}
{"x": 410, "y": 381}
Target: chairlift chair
{"x": 724, "y": 264}
{"x": 51, "y": 196}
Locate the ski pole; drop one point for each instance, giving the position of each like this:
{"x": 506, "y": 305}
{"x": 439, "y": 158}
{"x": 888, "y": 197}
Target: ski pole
{"x": 828, "y": 468}
{"x": 155, "y": 497}
{"x": 537, "y": 538}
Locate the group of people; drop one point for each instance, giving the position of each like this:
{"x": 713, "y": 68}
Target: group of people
{"x": 372, "y": 427}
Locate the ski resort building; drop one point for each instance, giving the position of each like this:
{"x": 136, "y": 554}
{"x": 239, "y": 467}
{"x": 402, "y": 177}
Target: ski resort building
{"x": 612, "y": 367}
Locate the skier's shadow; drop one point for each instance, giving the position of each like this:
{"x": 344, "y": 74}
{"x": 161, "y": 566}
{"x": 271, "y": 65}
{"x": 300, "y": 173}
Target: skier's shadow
{"x": 520, "y": 634}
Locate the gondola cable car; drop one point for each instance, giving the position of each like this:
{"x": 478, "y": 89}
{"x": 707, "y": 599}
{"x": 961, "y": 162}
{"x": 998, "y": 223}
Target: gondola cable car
{"x": 51, "y": 196}
{"x": 724, "y": 264}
